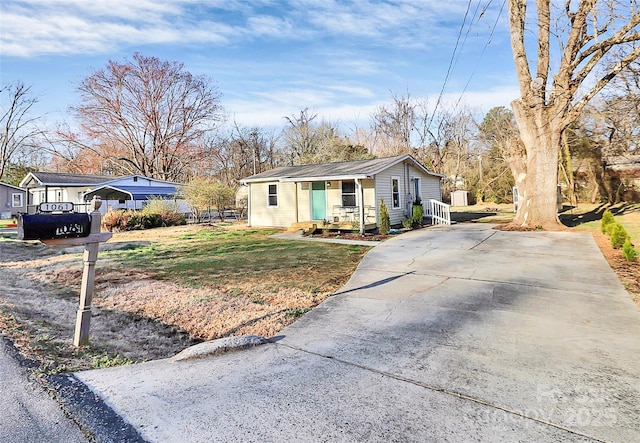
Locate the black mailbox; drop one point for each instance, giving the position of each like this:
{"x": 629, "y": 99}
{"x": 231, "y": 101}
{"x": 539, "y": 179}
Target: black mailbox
{"x": 48, "y": 226}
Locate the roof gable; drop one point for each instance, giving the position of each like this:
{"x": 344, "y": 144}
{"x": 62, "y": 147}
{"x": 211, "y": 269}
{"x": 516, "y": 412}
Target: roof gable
{"x": 63, "y": 179}
{"x": 17, "y": 188}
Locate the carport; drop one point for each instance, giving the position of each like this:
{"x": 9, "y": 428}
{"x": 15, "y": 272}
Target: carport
{"x": 134, "y": 193}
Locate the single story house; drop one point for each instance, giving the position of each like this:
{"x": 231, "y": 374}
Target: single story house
{"x": 341, "y": 192}
{"x": 117, "y": 192}
{"x": 12, "y": 200}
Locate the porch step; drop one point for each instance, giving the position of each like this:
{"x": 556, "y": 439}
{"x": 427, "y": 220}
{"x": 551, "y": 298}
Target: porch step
{"x": 311, "y": 227}
{"x": 306, "y": 227}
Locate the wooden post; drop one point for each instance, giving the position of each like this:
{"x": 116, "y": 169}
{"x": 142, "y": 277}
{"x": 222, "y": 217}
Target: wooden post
{"x": 91, "y": 245}
{"x": 83, "y": 317}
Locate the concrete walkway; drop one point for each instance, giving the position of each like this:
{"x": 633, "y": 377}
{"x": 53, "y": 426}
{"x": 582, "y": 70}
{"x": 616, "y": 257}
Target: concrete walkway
{"x": 455, "y": 334}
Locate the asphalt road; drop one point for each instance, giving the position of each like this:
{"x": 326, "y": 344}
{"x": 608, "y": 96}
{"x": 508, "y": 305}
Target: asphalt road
{"x": 454, "y": 334}
{"x": 29, "y": 414}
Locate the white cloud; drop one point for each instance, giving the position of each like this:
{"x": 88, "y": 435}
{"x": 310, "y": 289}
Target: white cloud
{"x": 35, "y": 27}
{"x": 269, "y": 109}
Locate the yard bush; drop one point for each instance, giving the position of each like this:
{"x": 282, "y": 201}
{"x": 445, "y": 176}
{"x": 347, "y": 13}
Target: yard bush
{"x": 618, "y": 235}
{"x": 416, "y": 216}
{"x": 607, "y": 219}
{"x": 128, "y": 220}
{"x": 385, "y": 221}
{"x": 628, "y": 252}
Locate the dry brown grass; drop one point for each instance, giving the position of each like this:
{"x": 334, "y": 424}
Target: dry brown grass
{"x": 181, "y": 292}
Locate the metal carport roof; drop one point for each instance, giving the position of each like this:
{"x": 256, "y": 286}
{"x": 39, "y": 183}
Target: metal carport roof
{"x": 131, "y": 192}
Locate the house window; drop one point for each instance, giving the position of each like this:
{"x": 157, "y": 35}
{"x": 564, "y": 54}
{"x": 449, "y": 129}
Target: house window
{"x": 395, "y": 193}
{"x": 349, "y": 194}
{"x": 58, "y": 196}
{"x": 272, "y": 195}
{"x": 17, "y": 200}
{"x": 42, "y": 196}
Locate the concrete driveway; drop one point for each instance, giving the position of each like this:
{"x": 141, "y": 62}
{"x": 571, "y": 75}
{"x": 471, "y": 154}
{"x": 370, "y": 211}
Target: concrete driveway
{"x": 455, "y": 334}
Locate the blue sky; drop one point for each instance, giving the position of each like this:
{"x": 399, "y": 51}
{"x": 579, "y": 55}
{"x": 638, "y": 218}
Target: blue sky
{"x": 270, "y": 58}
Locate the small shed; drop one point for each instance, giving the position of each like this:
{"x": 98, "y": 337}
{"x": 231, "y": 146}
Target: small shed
{"x": 460, "y": 198}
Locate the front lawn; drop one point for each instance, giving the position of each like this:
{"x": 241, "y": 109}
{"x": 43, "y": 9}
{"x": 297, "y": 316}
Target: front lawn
{"x": 163, "y": 289}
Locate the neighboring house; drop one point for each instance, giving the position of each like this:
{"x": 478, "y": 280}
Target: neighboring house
{"x": 131, "y": 192}
{"x": 12, "y": 200}
{"x": 117, "y": 192}
{"x": 58, "y": 187}
{"x": 340, "y": 192}
{"x": 625, "y": 167}
{"x": 623, "y": 175}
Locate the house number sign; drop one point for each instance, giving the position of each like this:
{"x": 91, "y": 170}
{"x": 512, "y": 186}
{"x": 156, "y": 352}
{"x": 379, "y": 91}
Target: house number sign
{"x": 56, "y": 207}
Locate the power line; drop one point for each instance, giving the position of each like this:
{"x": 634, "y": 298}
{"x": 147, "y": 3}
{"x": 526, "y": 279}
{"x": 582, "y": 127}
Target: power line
{"x": 451, "y": 61}
{"x": 495, "y": 24}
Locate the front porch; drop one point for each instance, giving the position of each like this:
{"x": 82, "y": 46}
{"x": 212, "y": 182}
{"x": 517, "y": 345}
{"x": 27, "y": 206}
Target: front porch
{"x": 309, "y": 227}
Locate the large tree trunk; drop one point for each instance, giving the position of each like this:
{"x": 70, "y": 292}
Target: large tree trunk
{"x": 541, "y": 137}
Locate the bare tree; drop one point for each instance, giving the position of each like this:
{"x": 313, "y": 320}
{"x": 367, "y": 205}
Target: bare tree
{"x": 589, "y": 33}
{"x": 18, "y": 131}
{"x": 147, "y": 116}
{"x": 241, "y": 152}
{"x": 393, "y": 125}
{"x": 301, "y": 137}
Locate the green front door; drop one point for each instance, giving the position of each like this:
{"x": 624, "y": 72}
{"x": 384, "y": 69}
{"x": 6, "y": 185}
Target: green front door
{"x": 318, "y": 201}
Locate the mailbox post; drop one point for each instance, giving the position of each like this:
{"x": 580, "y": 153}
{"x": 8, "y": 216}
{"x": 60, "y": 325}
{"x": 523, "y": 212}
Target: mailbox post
{"x": 91, "y": 244}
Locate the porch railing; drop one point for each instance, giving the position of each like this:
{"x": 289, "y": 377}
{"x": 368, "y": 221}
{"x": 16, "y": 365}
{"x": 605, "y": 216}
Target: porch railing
{"x": 439, "y": 212}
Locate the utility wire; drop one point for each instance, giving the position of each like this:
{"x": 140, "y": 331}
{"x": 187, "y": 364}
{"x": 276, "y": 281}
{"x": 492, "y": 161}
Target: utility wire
{"x": 451, "y": 62}
{"x": 495, "y": 24}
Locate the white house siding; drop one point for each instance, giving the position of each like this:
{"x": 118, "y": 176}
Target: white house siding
{"x": 370, "y": 205}
{"x": 334, "y": 199}
{"x": 281, "y": 216}
{"x": 56, "y": 194}
{"x": 431, "y": 188}
{"x": 383, "y": 187}
{"x": 304, "y": 201}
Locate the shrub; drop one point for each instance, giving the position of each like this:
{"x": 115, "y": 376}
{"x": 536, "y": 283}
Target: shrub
{"x": 128, "y": 220}
{"x": 114, "y": 221}
{"x": 407, "y": 223}
{"x": 607, "y": 220}
{"x": 385, "y": 221}
{"x": 416, "y": 216}
{"x": 628, "y": 252}
{"x": 618, "y": 235}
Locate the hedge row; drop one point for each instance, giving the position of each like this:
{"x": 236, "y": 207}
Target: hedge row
{"x": 619, "y": 236}
{"x": 128, "y": 220}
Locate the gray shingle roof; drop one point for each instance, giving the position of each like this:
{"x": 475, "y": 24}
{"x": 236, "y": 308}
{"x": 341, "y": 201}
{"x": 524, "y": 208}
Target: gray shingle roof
{"x": 328, "y": 171}
{"x": 56, "y": 178}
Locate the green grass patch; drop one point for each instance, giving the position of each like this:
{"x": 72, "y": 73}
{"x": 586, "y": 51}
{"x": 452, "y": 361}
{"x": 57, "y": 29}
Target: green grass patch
{"x": 589, "y": 218}
{"x": 212, "y": 257}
